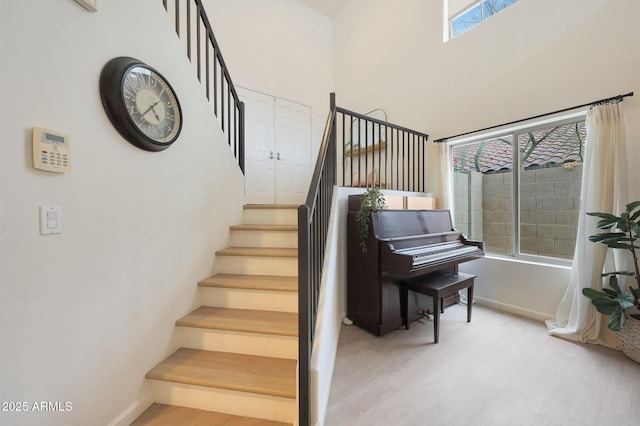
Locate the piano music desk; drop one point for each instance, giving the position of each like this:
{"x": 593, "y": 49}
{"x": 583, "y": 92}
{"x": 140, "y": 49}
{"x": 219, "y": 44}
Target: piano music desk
{"x": 438, "y": 285}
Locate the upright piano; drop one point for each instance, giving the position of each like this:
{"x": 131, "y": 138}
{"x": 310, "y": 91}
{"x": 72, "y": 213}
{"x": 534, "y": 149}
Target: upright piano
{"x": 403, "y": 245}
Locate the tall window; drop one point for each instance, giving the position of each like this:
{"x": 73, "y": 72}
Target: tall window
{"x": 474, "y": 13}
{"x": 527, "y": 210}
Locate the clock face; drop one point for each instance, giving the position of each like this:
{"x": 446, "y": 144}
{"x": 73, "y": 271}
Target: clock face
{"x": 140, "y": 103}
{"x": 151, "y": 104}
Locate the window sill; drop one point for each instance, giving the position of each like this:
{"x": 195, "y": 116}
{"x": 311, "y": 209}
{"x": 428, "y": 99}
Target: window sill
{"x": 533, "y": 260}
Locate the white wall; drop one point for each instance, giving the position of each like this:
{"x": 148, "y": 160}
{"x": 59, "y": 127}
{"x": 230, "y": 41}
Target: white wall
{"x": 278, "y": 47}
{"x": 332, "y": 305}
{"x": 85, "y": 314}
{"x": 529, "y": 289}
{"x": 533, "y": 57}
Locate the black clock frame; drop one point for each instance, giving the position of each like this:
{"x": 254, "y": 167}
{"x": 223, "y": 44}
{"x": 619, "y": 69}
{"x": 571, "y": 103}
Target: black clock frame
{"x": 111, "y": 93}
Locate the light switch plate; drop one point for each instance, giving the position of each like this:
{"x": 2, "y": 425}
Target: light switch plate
{"x": 90, "y": 5}
{"x": 50, "y": 220}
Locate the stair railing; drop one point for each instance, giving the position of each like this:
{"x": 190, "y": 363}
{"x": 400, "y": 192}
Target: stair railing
{"x": 313, "y": 223}
{"x": 404, "y": 153}
{"x": 194, "y": 29}
{"x": 381, "y": 154}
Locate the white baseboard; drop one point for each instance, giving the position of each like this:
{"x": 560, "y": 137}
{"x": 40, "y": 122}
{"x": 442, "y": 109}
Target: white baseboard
{"x": 527, "y": 313}
{"x": 133, "y": 411}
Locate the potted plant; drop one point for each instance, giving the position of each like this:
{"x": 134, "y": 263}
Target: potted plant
{"x": 623, "y": 234}
{"x": 372, "y": 201}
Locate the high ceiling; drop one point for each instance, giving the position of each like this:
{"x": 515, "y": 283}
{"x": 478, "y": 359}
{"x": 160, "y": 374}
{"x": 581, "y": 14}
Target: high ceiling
{"x": 325, "y": 7}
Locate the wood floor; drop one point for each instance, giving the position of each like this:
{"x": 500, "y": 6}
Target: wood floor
{"x": 499, "y": 369}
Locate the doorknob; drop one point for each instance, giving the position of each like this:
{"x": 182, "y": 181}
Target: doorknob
{"x": 270, "y": 155}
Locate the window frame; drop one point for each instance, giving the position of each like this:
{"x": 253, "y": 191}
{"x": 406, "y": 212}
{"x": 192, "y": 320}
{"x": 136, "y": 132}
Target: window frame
{"x": 514, "y": 132}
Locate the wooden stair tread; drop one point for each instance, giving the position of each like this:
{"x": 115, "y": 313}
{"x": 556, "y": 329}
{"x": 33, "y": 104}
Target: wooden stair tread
{"x": 251, "y": 282}
{"x": 239, "y": 372}
{"x": 245, "y": 320}
{"x": 170, "y": 415}
{"x": 258, "y": 251}
{"x": 258, "y": 227}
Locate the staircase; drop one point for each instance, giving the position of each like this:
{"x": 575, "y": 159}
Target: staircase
{"x": 237, "y": 363}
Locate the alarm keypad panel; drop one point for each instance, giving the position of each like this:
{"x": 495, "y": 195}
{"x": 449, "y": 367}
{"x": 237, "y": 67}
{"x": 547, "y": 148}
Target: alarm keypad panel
{"x": 51, "y": 151}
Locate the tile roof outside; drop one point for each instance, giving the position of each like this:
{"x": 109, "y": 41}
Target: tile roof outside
{"x": 555, "y": 147}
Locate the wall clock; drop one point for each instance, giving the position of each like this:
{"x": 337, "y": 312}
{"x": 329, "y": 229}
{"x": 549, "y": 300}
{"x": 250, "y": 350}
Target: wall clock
{"x": 140, "y": 103}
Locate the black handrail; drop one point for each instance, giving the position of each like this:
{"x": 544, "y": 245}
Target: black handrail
{"x": 230, "y": 114}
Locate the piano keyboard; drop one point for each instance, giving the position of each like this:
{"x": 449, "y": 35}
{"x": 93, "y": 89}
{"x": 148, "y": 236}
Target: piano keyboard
{"x": 433, "y": 253}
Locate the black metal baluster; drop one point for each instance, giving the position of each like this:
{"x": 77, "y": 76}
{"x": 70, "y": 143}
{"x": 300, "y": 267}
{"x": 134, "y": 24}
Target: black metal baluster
{"x": 215, "y": 81}
{"x": 178, "y": 17}
{"x": 405, "y": 162}
{"x": 222, "y": 81}
{"x": 422, "y": 163}
{"x": 189, "y": 29}
{"x": 415, "y": 164}
{"x": 367, "y": 184}
{"x": 241, "y": 137}
{"x": 344, "y": 129}
{"x": 208, "y": 72}
{"x": 229, "y": 113}
{"x": 386, "y": 155}
{"x": 379, "y": 153}
{"x": 392, "y": 143}
{"x": 358, "y": 156}
{"x": 198, "y": 43}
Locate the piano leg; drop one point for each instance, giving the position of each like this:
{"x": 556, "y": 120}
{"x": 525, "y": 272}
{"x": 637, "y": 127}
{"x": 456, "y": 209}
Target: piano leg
{"x": 404, "y": 303}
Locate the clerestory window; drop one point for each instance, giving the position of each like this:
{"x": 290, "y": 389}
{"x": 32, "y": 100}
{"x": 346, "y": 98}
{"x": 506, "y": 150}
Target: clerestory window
{"x": 465, "y": 14}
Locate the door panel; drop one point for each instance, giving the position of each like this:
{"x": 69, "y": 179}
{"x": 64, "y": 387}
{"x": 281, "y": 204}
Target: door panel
{"x": 293, "y": 151}
{"x": 259, "y": 147}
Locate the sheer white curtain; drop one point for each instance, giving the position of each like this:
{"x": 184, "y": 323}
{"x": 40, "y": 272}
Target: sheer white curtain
{"x": 604, "y": 189}
{"x": 441, "y": 176}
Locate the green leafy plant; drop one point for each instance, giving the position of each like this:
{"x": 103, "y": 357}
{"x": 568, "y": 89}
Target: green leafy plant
{"x": 613, "y": 301}
{"x": 372, "y": 201}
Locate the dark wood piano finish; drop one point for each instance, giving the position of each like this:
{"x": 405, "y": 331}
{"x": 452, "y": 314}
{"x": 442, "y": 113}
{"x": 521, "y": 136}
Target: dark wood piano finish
{"x": 373, "y": 277}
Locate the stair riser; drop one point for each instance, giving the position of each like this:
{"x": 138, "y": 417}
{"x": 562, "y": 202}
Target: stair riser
{"x": 246, "y": 238}
{"x": 280, "y": 301}
{"x": 239, "y": 342}
{"x": 270, "y": 216}
{"x": 257, "y": 265}
{"x": 226, "y": 401}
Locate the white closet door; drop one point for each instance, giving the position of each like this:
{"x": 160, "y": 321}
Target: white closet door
{"x": 277, "y": 149}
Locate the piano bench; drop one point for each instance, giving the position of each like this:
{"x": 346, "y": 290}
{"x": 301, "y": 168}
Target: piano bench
{"x": 437, "y": 285}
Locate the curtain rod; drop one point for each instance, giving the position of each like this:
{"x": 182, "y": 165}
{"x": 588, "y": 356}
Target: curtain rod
{"x": 594, "y": 103}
